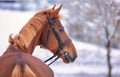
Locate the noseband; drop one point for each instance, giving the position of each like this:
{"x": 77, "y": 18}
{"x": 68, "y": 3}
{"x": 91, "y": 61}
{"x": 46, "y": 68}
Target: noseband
{"x": 61, "y": 44}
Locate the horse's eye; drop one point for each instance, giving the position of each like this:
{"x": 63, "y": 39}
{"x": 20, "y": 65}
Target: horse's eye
{"x": 61, "y": 30}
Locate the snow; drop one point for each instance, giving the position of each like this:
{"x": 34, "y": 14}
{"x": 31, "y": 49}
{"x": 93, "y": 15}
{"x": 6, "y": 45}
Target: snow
{"x": 91, "y": 24}
{"x": 117, "y": 1}
{"x": 10, "y": 23}
{"x": 73, "y": 69}
{"x": 91, "y": 58}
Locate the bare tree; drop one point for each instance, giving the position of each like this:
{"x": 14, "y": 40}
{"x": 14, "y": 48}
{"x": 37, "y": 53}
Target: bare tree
{"x": 110, "y": 15}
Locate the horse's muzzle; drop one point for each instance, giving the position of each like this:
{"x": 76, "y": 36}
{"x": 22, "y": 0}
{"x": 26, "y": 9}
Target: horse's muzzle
{"x": 68, "y": 57}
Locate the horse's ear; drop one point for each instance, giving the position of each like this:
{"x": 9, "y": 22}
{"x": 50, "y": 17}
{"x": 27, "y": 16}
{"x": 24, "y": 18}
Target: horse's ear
{"x": 54, "y": 6}
{"x": 57, "y": 10}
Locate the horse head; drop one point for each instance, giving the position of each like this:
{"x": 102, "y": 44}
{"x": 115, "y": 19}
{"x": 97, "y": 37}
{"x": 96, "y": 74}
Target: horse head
{"x": 45, "y": 29}
{"x": 55, "y": 38}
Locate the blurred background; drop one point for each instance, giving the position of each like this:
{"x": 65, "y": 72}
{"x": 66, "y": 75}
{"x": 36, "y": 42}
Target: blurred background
{"x": 93, "y": 26}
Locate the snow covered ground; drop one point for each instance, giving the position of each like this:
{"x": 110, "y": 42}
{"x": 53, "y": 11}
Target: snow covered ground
{"x": 91, "y": 61}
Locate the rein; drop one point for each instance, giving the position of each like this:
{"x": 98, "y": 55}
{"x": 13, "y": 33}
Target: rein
{"x": 57, "y": 55}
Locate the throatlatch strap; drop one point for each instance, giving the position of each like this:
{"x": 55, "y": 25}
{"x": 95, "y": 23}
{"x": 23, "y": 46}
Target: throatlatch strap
{"x": 47, "y": 38}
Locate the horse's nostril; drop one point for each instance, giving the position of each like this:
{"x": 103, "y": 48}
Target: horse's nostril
{"x": 67, "y": 57}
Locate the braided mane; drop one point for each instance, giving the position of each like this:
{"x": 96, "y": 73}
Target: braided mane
{"x": 28, "y": 32}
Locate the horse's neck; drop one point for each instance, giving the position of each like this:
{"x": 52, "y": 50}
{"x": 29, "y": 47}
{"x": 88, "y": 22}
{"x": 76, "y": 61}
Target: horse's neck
{"x": 30, "y": 33}
{"x": 29, "y": 36}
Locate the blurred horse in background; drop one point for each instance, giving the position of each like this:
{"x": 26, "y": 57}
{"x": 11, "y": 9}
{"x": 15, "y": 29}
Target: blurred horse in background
{"x": 44, "y": 29}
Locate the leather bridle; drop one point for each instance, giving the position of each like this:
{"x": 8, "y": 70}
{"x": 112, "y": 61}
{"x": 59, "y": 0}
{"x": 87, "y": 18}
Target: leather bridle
{"x": 61, "y": 44}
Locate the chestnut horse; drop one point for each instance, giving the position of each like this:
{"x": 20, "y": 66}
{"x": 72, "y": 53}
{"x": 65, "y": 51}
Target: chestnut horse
{"x": 43, "y": 29}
